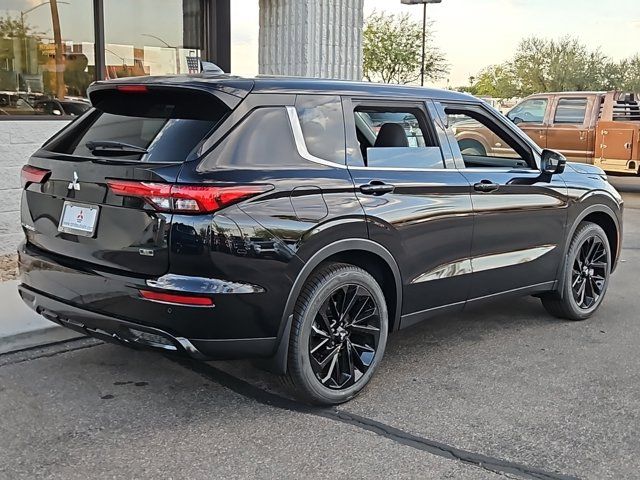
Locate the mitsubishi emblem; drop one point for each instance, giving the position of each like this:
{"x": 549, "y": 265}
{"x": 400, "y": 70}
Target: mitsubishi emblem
{"x": 74, "y": 185}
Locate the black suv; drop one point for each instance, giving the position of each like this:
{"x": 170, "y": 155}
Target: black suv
{"x": 300, "y": 221}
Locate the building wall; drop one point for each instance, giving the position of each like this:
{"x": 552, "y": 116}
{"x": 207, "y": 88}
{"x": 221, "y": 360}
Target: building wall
{"x": 18, "y": 140}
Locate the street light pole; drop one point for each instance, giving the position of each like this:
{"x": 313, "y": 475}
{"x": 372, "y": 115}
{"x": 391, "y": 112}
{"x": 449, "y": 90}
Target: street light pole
{"x": 424, "y": 39}
{"x": 424, "y": 30}
{"x": 177, "y": 49}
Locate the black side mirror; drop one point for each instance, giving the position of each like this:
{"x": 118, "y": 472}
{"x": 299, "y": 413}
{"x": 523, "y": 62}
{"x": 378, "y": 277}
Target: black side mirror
{"x": 552, "y": 162}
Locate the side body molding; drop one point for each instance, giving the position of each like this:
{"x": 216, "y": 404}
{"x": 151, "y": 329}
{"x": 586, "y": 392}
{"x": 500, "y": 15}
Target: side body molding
{"x": 278, "y": 363}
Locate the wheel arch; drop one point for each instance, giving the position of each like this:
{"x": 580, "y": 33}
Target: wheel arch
{"x": 604, "y": 217}
{"x": 364, "y": 253}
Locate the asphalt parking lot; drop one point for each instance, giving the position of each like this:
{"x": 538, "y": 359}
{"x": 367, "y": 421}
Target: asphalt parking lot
{"x": 498, "y": 391}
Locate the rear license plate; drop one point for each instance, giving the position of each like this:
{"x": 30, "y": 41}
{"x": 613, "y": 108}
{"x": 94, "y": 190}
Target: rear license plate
{"x": 78, "y": 219}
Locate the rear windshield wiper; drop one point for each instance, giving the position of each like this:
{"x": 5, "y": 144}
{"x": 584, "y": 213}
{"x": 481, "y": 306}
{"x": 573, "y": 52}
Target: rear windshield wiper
{"x": 115, "y": 148}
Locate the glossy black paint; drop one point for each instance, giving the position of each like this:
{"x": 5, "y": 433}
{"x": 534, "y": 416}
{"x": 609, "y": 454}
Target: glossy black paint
{"x": 419, "y": 238}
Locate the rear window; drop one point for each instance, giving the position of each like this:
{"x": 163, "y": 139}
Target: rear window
{"x": 153, "y": 127}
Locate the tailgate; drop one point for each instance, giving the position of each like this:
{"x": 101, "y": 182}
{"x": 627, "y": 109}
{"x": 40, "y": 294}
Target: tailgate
{"x": 134, "y": 133}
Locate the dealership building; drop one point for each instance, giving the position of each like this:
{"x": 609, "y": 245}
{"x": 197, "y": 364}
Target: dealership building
{"x": 51, "y": 51}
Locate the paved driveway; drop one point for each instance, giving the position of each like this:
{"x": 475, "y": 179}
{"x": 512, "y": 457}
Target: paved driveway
{"x": 503, "y": 388}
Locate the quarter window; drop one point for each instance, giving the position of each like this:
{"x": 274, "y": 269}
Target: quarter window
{"x": 396, "y": 137}
{"x": 571, "y": 110}
{"x": 262, "y": 140}
{"x": 322, "y": 125}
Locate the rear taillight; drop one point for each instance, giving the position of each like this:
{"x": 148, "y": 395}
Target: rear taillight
{"x": 185, "y": 198}
{"x": 30, "y": 174}
{"x": 176, "y": 298}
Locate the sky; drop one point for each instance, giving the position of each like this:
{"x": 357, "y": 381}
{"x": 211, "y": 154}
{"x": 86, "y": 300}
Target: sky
{"x": 476, "y": 33}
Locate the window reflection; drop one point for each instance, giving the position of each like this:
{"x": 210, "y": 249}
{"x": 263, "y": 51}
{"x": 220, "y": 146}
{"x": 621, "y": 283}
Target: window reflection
{"x": 46, "y": 57}
{"x": 152, "y": 37}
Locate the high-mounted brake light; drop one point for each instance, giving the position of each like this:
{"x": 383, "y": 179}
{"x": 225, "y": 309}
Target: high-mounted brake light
{"x": 175, "y": 298}
{"x": 185, "y": 198}
{"x": 132, "y": 88}
{"x": 30, "y": 174}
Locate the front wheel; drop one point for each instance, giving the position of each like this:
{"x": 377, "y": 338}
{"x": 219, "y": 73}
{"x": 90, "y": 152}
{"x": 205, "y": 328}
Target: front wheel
{"x": 338, "y": 336}
{"x": 586, "y": 275}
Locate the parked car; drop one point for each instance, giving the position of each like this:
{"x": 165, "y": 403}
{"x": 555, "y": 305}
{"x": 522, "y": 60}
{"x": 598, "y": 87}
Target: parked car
{"x": 368, "y": 232}
{"x": 61, "y": 107}
{"x": 590, "y": 127}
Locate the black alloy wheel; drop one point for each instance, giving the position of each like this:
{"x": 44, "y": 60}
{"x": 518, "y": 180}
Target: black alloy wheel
{"x": 338, "y": 335}
{"x": 587, "y": 269}
{"x": 589, "y": 273}
{"x": 344, "y": 336}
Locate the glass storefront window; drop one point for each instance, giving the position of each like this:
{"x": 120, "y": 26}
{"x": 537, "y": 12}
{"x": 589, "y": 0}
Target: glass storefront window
{"x": 46, "y": 56}
{"x": 152, "y": 37}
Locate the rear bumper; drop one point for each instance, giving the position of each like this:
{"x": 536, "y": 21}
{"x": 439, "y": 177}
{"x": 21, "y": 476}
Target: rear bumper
{"x": 109, "y": 306}
{"x": 140, "y": 336}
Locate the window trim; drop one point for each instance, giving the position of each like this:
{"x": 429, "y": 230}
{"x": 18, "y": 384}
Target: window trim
{"x": 300, "y": 142}
{"x": 355, "y": 160}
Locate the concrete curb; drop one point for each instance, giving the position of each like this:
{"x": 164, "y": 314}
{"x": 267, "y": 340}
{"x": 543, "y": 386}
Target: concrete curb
{"x": 21, "y": 327}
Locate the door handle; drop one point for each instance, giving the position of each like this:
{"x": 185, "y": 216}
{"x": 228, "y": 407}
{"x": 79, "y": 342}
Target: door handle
{"x": 486, "y": 186}
{"x": 377, "y": 188}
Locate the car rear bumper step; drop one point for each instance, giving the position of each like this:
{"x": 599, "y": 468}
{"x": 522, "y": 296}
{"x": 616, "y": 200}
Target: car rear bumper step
{"x": 141, "y": 336}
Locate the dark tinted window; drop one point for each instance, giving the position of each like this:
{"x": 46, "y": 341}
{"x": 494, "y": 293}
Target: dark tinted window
{"x": 168, "y": 125}
{"x": 571, "y": 110}
{"x": 322, "y": 125}
{"x": 263, "y": 139}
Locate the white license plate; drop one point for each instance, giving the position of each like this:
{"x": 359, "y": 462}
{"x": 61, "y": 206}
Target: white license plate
{"x": 78, "y": 219}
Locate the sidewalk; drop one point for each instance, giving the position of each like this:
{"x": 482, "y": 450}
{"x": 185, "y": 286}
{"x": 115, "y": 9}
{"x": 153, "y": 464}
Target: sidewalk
{"x": 21, "y": 327}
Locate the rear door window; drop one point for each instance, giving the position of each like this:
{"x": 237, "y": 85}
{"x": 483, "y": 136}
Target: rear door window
{"x": 162, "y": 127}
{"x": 571, "y": 111}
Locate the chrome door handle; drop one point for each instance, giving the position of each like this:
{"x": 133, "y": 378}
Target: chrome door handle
{"x": 485, "y": 186}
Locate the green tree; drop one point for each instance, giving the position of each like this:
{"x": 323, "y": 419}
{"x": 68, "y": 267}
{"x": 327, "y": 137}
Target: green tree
{"x": 543, "y": 65}
{"x": 392, "y": 50}
{"x": 497, "y": 81}
{"x": 14, "y": 27}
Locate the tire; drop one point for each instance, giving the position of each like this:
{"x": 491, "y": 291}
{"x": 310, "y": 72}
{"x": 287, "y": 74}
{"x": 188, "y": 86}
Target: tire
{"x": 587, "y": 270}
{"x": 338, "y": 335}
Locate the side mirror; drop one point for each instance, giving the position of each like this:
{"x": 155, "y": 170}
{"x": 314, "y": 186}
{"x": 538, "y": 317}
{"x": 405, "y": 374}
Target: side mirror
{"x": 552, "y": 162}
{"x": 56, "y": 112}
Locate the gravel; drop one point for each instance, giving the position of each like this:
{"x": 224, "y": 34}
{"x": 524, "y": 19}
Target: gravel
{"x": 8, "y": 267}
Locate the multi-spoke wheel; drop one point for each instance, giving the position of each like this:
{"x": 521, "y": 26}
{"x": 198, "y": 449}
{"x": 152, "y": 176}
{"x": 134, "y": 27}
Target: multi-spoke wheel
{"x": 586, "y": 275}
{"x": 339, "y": 334}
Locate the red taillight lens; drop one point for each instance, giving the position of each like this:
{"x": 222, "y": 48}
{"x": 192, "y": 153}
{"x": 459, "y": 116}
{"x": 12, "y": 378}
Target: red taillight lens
{"x": 132, "y": 88}
{"x": 175, "y": 298}
{"x": 31, "y": 174}
{"x": 185, "y": 198}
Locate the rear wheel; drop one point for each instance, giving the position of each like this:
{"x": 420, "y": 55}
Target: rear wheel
{"x": 586, "y": 275}
{"x": 338, "y": 336}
